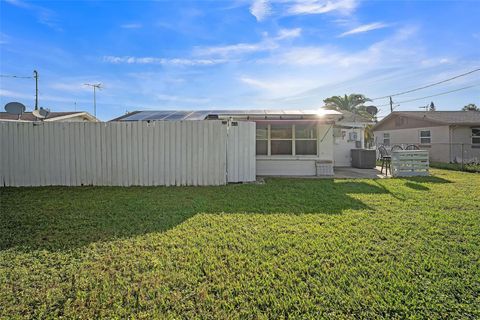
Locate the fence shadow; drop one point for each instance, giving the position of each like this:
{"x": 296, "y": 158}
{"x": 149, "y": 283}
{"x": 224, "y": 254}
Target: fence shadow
{"x": 416, "y": 186}
{"x": 62, "y": 218}
{"x": 427, "y": 179}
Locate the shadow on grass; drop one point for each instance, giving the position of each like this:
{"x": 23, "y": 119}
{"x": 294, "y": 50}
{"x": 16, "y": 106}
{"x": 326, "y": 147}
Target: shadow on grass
{"x": 427, "y": 179}
{"x": 416, "y": 186}
{"x": 62, "y": 218}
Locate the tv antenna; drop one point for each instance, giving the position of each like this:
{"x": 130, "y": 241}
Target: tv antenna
{"x": 95, "y": 86}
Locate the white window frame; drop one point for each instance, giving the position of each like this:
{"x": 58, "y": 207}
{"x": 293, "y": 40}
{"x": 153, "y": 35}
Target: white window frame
{"x": 293, "y": 154}
{"x": 292, "y": 139}
{"x": 429, "y": 136}
{"x": 385, "y": 138}
{"x": 267, "y": 139}
{"x": 294, "y": 146}
{"x": 475, "y": 136}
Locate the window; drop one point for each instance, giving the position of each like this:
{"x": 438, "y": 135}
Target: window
{"x": 386, "y": 139}
{"x": 305, "y": 139}
{"x": 425, "y": 137}
{"x": 475, "y": 135}
{"x": 262, "y": 139}
{"x": 281, "y": 139}
{"x": 286, "y": 139}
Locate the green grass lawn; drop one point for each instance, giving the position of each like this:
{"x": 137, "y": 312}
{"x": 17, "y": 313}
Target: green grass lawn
{"x": 346, "y": 249}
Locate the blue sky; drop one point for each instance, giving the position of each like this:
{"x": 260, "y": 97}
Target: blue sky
{"x": 236, "y": 54}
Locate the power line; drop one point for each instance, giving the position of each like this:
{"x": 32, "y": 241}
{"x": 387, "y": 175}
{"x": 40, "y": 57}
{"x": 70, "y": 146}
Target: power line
{"x": 428, "y": 86}
{"x": 13, "y": 76}
{"x": 431, "y": 96}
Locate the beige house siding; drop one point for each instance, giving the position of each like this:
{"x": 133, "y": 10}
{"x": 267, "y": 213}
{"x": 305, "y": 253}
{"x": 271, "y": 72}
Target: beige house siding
{"x": 439, "y": 147}
{"x": 448, "y": 143}
{"x": 462, "y": 148}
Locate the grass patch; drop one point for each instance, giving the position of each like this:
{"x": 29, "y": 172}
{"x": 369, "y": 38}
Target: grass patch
{"x": 469, "y": 167}
{"x": 389, "y": 248}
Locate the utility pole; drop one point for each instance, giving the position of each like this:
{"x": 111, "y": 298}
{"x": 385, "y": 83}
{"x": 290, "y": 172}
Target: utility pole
{"x": 95, "y": 86}
{"x": 35, "y": 75}
{"x": 391, "y": 104}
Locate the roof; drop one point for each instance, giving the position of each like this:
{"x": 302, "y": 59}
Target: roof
{"x": 172, "y": 115}
{"x": 52, "y": 116}
{"x": 440, "y": 117}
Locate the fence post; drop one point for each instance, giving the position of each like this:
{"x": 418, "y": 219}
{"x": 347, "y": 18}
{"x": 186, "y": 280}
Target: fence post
{"x": 463, "y": 156}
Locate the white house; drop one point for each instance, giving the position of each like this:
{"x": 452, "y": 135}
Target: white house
{"x": 450, "y": 136}
{"x": 288, "y": 142}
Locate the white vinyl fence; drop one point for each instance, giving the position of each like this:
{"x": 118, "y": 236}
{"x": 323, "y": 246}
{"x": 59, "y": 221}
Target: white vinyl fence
{"x": 409, "y": 163}
{"x": 241, "y": 152}
{"x": 120, "y": 153}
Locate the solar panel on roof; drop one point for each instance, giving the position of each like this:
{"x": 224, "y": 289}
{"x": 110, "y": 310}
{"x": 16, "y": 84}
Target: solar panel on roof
{"x": 139, "y": 115}
{"x": 159, "y": 115}
{"x": 180, "y": 115}
{"x": 197, "y": 115}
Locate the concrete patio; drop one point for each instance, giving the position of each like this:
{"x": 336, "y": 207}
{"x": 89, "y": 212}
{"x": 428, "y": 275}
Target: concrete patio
{"x": 355, "y": 173}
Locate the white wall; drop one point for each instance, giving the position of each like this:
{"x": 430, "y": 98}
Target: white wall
{"x": 342, "y": 145}
{"x": 114, "y": 153}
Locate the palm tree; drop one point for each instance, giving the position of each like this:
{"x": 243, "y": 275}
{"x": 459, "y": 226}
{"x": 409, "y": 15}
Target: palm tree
{"x": 471, "y": 107}
{"x": 354, "y": 103}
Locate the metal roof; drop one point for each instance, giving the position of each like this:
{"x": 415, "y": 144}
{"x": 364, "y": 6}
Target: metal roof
{"x": 172, "y": 115}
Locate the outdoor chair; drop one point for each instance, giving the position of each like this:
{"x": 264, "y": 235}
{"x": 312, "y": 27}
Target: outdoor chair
{"x": 386, "y": 159}
{"x": 412, "y": 147}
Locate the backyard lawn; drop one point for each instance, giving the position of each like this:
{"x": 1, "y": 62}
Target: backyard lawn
{"x": 390, "y": 248}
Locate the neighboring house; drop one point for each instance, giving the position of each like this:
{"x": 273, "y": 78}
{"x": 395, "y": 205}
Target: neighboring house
{"x": 450, "y": 136}
{"x": 76, "y": 116}
{"x": 288, "y": 142}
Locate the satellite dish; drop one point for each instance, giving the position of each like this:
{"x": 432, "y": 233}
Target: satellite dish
{"x": 15, "y": 108}
{"x": 372, "y": 110}
{"x": 41, "y": 113}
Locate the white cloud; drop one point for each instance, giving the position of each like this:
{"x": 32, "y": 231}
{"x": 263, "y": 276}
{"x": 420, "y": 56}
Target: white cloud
{"x": 131, "y": 26}
{"x": 393, "y": 48}
{"x": 4, "y": 39}
{"x": 282, "y": 86}
{"x": 320, "y": 6}
{"x": 162, "y": 61}
{"x": 268, "y": 43}
{"x": 288, "y": 33}
{"x": 44, "y": 16}
{"x": 235, "y": 49}
{"x": 364, "y": 28}
{"x": 260, "y": 9}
